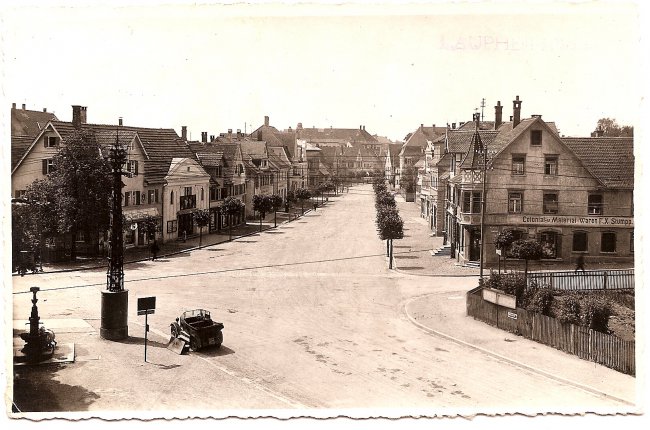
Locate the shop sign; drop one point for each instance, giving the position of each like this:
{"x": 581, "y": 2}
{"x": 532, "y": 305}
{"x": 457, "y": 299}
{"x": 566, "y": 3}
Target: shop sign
{"x": 578, "y": 221}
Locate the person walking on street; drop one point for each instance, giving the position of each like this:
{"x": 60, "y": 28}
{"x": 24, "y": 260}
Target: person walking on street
{"x": 580, "y": 264}
{"x": 154, "y": 250}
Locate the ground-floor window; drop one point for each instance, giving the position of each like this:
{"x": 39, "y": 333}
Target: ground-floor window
{"x": 129, "y": 237}
{"x": 580, "y": 243}
{"x": 549, "y": 242}
{"x": 608, "y": 242}
{"x": 172, "y": 226}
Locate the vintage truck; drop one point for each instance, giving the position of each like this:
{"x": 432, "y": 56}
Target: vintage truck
{"x": 197, "y": 328}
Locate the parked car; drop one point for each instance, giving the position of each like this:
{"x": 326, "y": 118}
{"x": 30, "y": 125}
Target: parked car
{"x": 197, "y": 328}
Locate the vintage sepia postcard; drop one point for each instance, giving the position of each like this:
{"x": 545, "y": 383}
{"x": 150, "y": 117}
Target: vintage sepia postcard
{"x": 324, "y": 214}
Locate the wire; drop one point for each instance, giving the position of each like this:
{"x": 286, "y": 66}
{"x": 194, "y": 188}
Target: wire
{"x": 239, "y": 269}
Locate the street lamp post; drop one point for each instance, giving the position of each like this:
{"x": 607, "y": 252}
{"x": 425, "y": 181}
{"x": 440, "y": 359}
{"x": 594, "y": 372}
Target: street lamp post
{"x": 115, "y": 299}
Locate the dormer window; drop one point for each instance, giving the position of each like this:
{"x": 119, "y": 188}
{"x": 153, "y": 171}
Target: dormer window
{"x": 51, "y": 141}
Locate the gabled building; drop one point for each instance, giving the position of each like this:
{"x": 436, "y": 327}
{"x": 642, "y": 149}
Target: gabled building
{"x": 573, "y": 195}
{"x": 414, "y": 147}
{"x": 157, "y": 183}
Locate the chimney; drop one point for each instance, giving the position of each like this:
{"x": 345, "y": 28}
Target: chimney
{"x": 299, "y": 126}
{"x": 421, "y": 126}
{"x": 360, "y": 127}
{"x": 44, "y": 109}
{"x": 516, "y": 112}
{"x": 266, "y": 120}
{"x": 230, "y": 131}
{"x": 536, "y": 116}
{"x": 13, "y": 105}
{"x": 498, "y": 115}
{"x": 119, "y": 121}
{"x": 23, "y": 106}
{"x": 212, "y": 138}
{"x": 364, "y": 128}
{"x": 78, "y": 115}
{"x": 510, "y": 118}
{"x": 453, "y": 125}
{"x": 184, "y": 132}
{"x": 204, "y": 137}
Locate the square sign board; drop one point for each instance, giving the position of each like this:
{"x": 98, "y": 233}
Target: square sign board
{"x": 146, "y": 305}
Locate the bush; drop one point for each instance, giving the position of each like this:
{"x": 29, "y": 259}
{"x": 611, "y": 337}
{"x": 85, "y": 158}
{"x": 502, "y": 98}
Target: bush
{"x": 596, "y": 313}
{"x": 509, "y": 283}
{"x": 538, "y": 300}
{"x": 568, "y": 310}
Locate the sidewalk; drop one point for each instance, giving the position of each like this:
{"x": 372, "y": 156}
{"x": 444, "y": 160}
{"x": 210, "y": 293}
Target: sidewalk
{"x": 412, "y": 254}
{"x": 173, "y": 247}
{"x": 444, "y": 314}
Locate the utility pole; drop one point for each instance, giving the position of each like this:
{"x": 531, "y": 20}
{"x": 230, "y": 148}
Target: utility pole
{"x": 482, "y": 107}
{"x": 115, "y": 299}
{"x": 483, "y": 201}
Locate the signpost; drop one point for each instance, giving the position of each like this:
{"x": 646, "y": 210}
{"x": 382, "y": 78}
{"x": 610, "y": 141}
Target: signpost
{"x": 146, "y": 306}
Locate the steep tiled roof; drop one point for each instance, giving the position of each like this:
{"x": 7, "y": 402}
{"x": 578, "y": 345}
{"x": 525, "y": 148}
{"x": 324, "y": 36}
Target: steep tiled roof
{"x": 475, "y": 153}
{"x": 19, "y": 145}
{"x": 29, "y": 122}
{"x": 610, "y": 159}
{"x": 483, "y": 125}
{"x": 161, "y": 145}
{"x": 423, "y": 135}
{"x": 459, "y": 141}
{"x": 254, "y": 149}
{"x": 335, "y": 134}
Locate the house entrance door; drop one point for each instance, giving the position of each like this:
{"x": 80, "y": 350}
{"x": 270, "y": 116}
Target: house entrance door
{"x": 475, "y": 244}
{"x": 185, "y": 225}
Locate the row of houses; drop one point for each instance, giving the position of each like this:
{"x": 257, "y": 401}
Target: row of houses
{"x": 573, "y": 194}
{"x": 170, "y": 176}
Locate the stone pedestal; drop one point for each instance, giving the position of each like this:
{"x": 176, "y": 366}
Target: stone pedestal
{"x": 115, "y": 307}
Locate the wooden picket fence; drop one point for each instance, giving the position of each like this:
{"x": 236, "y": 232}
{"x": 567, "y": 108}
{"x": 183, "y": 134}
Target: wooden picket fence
{"x": 585, "y": 281}
{"x": 587, "y": 344}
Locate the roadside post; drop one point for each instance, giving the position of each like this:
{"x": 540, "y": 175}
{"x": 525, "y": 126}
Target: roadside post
{"x": 146, "y": 306}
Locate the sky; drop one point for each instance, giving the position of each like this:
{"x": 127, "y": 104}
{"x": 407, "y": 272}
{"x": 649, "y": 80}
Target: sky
{"x": 390, "y": 68}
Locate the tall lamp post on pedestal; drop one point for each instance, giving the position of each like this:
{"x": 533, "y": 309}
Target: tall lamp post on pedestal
{"x": 115, "y": 300}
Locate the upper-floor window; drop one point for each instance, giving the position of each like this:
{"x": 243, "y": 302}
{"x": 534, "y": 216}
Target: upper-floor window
{"x": 536, "y": 137}
{"x": 51, "y": 141}
{"x": 471, "y": 202}
{"x": 515, "y": 202}
{"x": 48, "y": 165}
{"x": 152, "y": 196}
{"x": 127, "y": 198}
{"x": 171, "y": 198}
{"x": 202, "y": 196}
{"x": 132, "y": 167}
{"x": 187, "y": 191}
{"x": 518, "y": 164}
{"x": 550, "y": 165}
{"x": 595, "y": 204}
{"x": 550, "y": 203}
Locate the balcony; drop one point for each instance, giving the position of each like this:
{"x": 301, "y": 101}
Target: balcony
{"x": 472, "y": 177}
{"x": 188, "y": 202}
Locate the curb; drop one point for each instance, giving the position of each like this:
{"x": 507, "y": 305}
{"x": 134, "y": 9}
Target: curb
{"x": 506, "y": 359}
{"x": 182, "y": 251}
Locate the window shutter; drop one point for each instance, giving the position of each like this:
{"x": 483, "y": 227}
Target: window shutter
{"x": 45, "y": 167}
{"x": 156, "y": 196}
{"x": 136, "y": 168}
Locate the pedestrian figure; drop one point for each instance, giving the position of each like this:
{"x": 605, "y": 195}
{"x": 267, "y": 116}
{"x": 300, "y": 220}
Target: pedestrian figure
{"x": 154, "y": 250}
{"x": 184, "y": 235}
{"x": 580, "y": 264}
{"x": 315, "y": 205}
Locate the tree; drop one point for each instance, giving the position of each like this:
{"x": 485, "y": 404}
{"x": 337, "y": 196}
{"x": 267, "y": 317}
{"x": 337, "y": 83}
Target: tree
{"x": 232, "y": 206}
{"x": 526, "y": 249}
{"x": 391, "y": 226}
{"x": 502, "y": 242}
{"x": 610, "y": 128}
{"x": 408, "y": 179}
{"x": 82, "y": 184}
{"x": 276, "y": 203}
{"x": 262, "y": 204}
{"x": 202, "y": 219}
{"x": 303, "y": 194}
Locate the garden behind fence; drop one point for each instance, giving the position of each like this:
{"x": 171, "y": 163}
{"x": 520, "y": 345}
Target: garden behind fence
{"x": 587, "y": 344}
{"x": 585, "y": 280}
